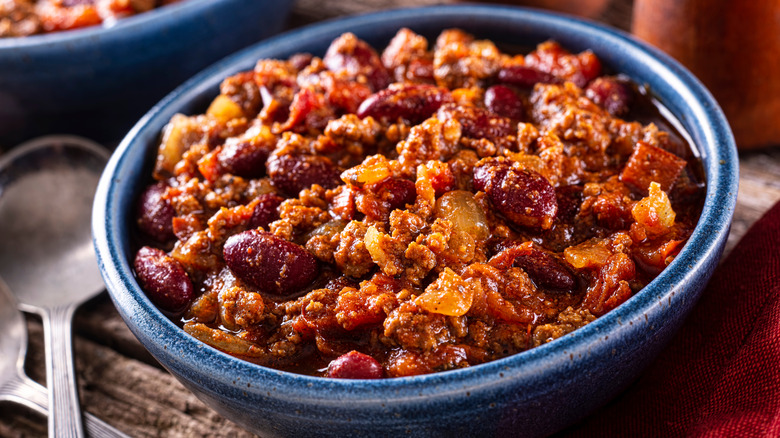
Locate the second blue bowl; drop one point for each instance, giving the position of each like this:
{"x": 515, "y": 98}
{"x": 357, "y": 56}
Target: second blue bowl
{"x": 98, "y": 81}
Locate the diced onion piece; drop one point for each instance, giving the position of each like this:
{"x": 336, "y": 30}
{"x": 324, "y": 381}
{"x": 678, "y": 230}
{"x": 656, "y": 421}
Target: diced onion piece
{"x": 654, "y": 212}
{"x": 372, "y": 170}
{"x": 224, "y": 109}
{"x": 590, "y": 254}
{"x": 379, "y": 247}
{"x": 385, "y": 251}
{"x": 459, "y": 207}
{"x": 372, "y": 241}
{"x": 222, "y": 340}
{"x": 449, "y": 295}
{"x": 175, "y": 141}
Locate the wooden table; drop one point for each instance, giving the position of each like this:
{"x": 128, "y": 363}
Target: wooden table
{"x": 122, "y": 384}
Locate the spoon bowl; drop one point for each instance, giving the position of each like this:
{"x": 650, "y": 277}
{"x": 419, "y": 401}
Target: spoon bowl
{"x": 46, "y": 191}
{"x": 46, "y": 256}
{"x": 14, "y": 385}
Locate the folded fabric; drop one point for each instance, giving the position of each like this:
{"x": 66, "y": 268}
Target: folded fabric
{"x": 720, "y": 375}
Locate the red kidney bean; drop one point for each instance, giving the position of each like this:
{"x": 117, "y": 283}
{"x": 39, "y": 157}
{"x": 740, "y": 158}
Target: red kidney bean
{"x": 569, "y": 200}
{"x": 524, "y": 196}
{"x": 543, "y": 268}
{"x": 524, "y": 76}
{"x": 550, "y": 57}
{"x": 291, "y": 174}
{"x": 269, "y": 263}
{"x": 155, "y": 214}
{"x": 379, "y": 199}
{"x": 339, "y": 283}
{"x": 611, "y": 94}
{"x": 355, "y": 365}
{"x": 420, "y": 69}
{"x": 346, "y": 95}
{"x": 504, "y": 102}
{"x": 163, "y": 279}
{"x": 308, "y": 110}
{"x": 411, "y": 102}
{"x": 299, "y": 61}
{"x": 243, "y": 158}
{"x": 396, "y": 192}
{"x": 478, "y": 122}
{"x": 265, "y": 211}
{"x": 349, "y": 55}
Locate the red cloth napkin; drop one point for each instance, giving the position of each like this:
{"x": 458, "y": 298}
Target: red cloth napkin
{"x": 720, "y": 376}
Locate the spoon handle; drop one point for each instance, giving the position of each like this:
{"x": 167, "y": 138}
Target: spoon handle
{"x": 65, "y": 411}
{"x": 26, "y": 392}
{"x": 20, "y": 389}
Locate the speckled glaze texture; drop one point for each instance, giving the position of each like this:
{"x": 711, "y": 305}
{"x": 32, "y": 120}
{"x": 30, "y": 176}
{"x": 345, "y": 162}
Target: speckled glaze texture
{"x": 136, "y": 61}
{"x": 530, "y": 394}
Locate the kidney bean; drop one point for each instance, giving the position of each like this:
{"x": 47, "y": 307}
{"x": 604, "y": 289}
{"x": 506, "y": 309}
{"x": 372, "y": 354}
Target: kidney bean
{"x": 397, "y": 192}
{"x": 611, "y": 94}
{"x": 569, "y": 199}
{"x": 291, "y": 174}
{"x": 269, "y": 263}
{"x": 355, "y": 365}
{"x": 379, "y": 199}
{"x": 524, "y": 76}
{"x": 155, "y": 214}
{"x": 420, "y": 69}
{"x": 299, "y": 61}
{"x": 163, "y": 279}
{"x": 339, "y": 283}
{"x": 504, "y": 102}
{"x": 524, "y": 196}
{"x": 550, "y": 57}
{"x": 478, "y": 122}
{"x": 411, "y": 102}
{"x": 243, "y": 158}
{"x": 308, "y": 110}
{"x": 351, "y": 56}
{"x": 346, "y": 95}
{"x": 265, "y": 211}
{"x": 543, "y": 268}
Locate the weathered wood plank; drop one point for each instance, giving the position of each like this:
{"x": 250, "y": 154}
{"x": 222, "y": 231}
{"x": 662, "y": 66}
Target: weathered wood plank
{"x": 759, "y": 190}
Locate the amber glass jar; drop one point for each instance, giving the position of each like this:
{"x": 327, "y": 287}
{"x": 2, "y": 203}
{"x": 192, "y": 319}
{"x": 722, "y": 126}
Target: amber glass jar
{"x": 733, "y": 46}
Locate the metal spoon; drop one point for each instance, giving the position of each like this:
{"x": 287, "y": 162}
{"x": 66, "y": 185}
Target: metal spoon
{"x": 46, "y": 255}
{"x": 15, "y": 386}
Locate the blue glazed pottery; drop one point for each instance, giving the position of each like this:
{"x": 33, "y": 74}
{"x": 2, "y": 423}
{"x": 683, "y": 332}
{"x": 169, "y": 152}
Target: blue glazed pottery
{"x": 534, "y": 393}
{"x": 72, "y": 81}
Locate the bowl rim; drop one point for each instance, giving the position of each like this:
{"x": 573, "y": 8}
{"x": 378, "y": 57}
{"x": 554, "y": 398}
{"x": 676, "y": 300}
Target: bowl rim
{"x": 707, "y": 238}
{"x": 132, "y": 25}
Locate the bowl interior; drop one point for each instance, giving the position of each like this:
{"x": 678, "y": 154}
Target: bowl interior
{"x": 623, "y": 331}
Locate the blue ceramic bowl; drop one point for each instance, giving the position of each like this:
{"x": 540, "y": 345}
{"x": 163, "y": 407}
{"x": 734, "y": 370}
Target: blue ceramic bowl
{"x": 533, "y": 393}
{"x": 123, "y": 70}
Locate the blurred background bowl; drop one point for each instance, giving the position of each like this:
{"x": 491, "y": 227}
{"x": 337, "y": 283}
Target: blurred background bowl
{"x": 533, "y": 393}
{"x": 98, "y": 81}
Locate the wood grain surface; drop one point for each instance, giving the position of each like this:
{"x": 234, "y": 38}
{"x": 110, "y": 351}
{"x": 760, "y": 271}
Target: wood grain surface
{"x": 123, "y": 385}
